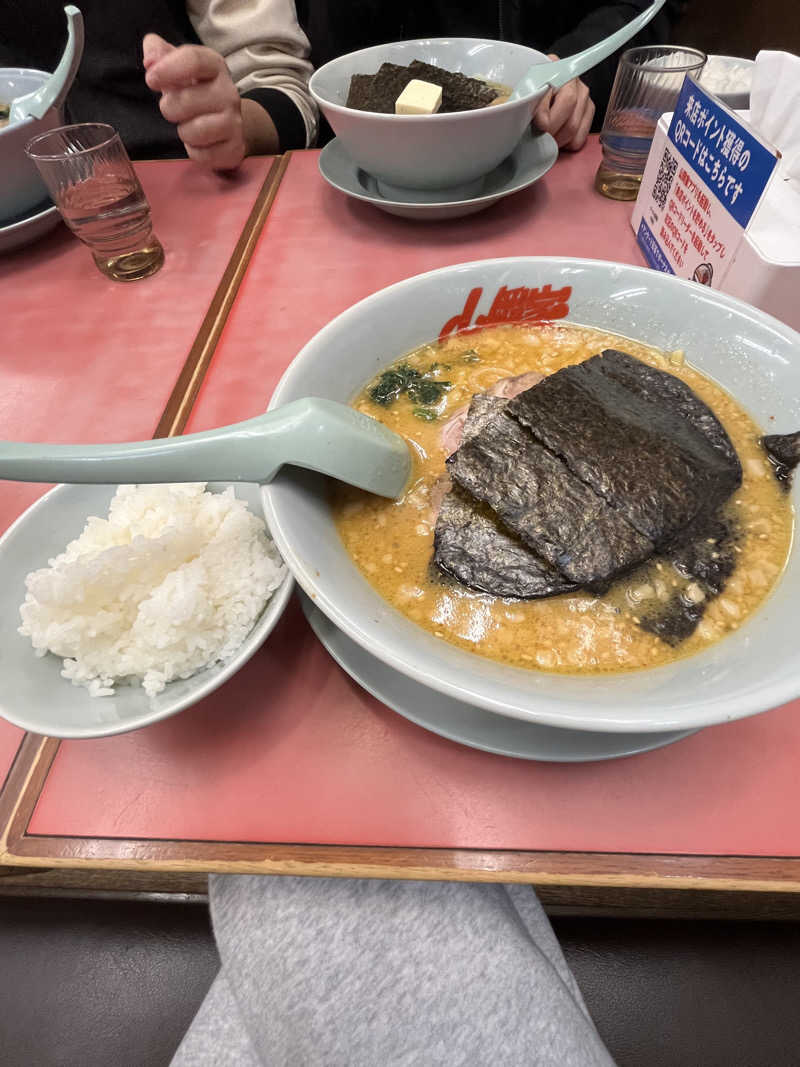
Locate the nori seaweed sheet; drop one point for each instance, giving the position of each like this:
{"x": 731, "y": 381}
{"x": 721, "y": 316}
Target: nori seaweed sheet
{"x": 481, "y": 409}
{"x": 379, "y": 92}
{"x": 576, "y": 469}
{"x": 360, "y": 92}
{"x": 471, "y": 546}
{"x": 664, "y": 388}
{"x": 783, "y": 450}
{"x": 674, "y": 621}
{"x": 535, "y": 495}
{"x": 708, "y": 556}
{"x": 648, "y": 455}
{"x": 459, "y": 92}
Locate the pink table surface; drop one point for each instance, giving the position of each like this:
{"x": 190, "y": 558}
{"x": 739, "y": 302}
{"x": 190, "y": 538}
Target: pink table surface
{"x": 321, "y": 252}
{"x": 83, "y": 358}
{"x": 291, "y": 750}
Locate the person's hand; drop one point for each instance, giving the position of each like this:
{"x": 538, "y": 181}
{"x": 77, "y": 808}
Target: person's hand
{"x": 566, "y": 114}
{"x": 198, "y": 95}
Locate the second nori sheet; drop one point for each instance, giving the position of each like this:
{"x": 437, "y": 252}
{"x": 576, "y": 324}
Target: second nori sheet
{"x": 783, "y": 450}
{"x": 471, "y": 546}
{"x": 378, "y": 92}
{"x": 459, "y": 92}
{"x": 638, "y": 437}
{"x": 708, "y": 556}
{"x": 534, "y": 494}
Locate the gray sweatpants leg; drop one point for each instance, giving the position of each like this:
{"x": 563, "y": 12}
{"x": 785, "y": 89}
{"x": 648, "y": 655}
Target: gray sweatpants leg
{"x": 365, "y": 973}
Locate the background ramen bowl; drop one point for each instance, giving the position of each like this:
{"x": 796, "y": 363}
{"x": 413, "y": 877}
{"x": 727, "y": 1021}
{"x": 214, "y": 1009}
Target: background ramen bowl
{"x": 430, "y": 151}
{"x": 755, "y": 357}
{"x": 735, "y": 74}
{"x": 21, "y": 188}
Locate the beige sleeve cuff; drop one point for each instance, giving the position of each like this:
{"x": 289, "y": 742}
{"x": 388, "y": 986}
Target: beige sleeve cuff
{"x": 263, "y": 46}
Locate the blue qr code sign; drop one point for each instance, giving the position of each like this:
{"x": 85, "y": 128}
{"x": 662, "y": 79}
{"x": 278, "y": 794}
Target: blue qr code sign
{"x": 651, "y": 248}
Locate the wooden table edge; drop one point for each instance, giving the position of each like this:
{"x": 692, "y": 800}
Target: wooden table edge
{"x": 641, "y": 871}
{"x": 179, "y": 405}
{"x": 18, "y": 848}
{"x": 13, "y": 787}
{"x": 339, "y": 861}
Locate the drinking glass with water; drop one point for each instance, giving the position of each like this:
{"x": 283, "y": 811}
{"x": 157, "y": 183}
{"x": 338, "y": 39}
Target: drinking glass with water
{"x": 647, "y": 84}
{"x": 90, "y": 178}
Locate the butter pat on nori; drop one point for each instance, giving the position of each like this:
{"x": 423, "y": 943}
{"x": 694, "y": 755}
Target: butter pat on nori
{"x": 419, "y": 98}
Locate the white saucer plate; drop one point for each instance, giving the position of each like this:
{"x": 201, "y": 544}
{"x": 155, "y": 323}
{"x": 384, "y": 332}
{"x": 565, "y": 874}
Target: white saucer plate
{"x": 24, "y": 231}
{"x": 469, "y": 725}
{"x": 531, "y": 159}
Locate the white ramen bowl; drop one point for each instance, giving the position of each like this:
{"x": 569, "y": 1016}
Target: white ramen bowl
{"x": 430, "y": 151}
{"x": 21, "y": 188}
{"x": 730, "y": 79}
{"x": 754, "y": 356}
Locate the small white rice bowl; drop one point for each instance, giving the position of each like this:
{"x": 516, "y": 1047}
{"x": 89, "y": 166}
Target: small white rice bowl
{"x": 171, "y": 582}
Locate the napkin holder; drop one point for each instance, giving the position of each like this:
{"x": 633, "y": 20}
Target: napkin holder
{"x": 765, "y": 270}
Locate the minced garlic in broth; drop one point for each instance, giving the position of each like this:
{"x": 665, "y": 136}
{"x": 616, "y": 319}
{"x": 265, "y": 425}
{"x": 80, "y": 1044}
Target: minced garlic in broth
{"x": 392, "y": 541}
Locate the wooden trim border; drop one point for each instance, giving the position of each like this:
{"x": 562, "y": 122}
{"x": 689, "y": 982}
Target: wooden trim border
{"x": 570, "y": 876}
{"x": 4, "y": 802}
{"x": 181, "y": 400}
{"x": 179, "y": 887}
{"x": 752, "y": 874}
{"x": 542, "y": 869}
{"x": 15, "y": 778}
{"x": 31, "y": 763}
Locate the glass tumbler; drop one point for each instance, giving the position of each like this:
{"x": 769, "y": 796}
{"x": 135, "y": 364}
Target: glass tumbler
{"x": 90, "y": 178}
{"x": 647, "y": 84}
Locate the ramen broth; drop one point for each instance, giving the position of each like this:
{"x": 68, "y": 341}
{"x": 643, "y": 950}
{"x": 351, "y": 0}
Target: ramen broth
{"x": 391, "y": 542}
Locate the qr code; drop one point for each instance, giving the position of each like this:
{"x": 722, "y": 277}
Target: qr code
{"x": 666, "y": 172}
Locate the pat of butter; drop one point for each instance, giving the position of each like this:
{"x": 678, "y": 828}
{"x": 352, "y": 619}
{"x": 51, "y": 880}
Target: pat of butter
{"x": 419, "y": 98}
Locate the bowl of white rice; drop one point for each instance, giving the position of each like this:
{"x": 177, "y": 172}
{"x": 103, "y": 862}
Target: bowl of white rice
{"x": 125, "y": 605}
{"x": 730, "y": 79}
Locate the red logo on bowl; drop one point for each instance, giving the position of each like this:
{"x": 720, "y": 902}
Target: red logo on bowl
{"x": 511, "y": 305}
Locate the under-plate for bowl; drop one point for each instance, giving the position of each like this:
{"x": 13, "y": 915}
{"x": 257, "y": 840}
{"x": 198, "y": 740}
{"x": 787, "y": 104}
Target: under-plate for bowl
{"x": 531, "y": 160}
{"x": 469, "y": 725}
{"x": 30, "y": 227}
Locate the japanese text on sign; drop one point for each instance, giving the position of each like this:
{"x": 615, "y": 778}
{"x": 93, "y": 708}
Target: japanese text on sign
{"x": 703, "y": 180}
{"x": 727, "y": 155}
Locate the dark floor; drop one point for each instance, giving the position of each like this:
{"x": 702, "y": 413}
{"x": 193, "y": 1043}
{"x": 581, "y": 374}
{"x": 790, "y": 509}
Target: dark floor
{"x": 93, "y": 983}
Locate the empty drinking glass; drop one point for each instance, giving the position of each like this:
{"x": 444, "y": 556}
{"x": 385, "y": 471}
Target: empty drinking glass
{"x": 647, "y": 84}
{"x": 92, "y": 183}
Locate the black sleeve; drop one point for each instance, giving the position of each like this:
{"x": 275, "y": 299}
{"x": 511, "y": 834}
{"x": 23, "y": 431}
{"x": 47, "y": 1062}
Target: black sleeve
{"x": 605, "y": 20}
{"x": 284, "y": 113}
